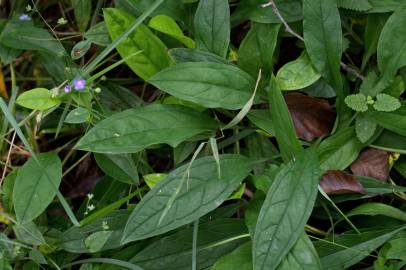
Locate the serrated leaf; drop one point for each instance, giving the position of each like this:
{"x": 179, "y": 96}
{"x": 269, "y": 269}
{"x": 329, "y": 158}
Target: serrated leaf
{"x": 135, "y": 129}
{"x": 154, "y": 56}
{"x": 287, "y": 207}
{"x": 35, "y": 182}
{"x": 297, "y": 74}
{"x": 386, "y": 103}
{"x": 212, "y": 26}
{"x": 323, "y": 38}
{"x": 211, "y": 85}
{"x": 37, "y": 99}
{"x": 364, "y": 127}
{"x": 357, "y": 102}
{"x": 203, "y": 192}
{"x": 167, "y": 25}
{"x": 357, "y": 5}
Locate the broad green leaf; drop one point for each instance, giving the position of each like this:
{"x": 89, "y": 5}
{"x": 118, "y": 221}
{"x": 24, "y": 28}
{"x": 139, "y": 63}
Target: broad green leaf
{"x": 381, "y": 6}
{"x": 174, "y": 252}
{"x": 96, "y": 241}
{"x": 98, "y": 34}
{"x": 357, "y": 102}
{"x": 364, "y": 127}
{"x": 302, "y": 256}
{"x": 167, "y": 25}
{"x": 357, "y": 5}
{"x": 211, "y": 85}
{"x": 284, "y": 130}
{"x": 82, "y": 10}
{"x": 323, "y": 38}
{"x": 394, "y": 249}
{"x": 320, "y": 89}
{"x": 154, "y": 56}
{"x": 373, "y": 209}
{"x": 356, "y": 247}
{"x": 135, "y": 129}
{"x": 338, "y": 151}
{"x": 153, "y": 179}
{"x": 35, "y": 182}
{"x": 287, "y": 207}
{"x": 212, "y": 26}
{"x": 182, "y": 55}
{"x": 202, "y": 192}
{"x": 394, "y": 121}
{"x": 377, "y": 187}
{"x": 38, "y": 99}
{"x": 252, "y": 211}
{"x": 20, "y": 35}
{"x": 386, "y": 103}
{"x": 391, "y": 52}
{"x": 373, "y": 28}
{"x": 390, "y": 141}
{"x": 297, "y": 74}
{"x": 80, "y": 49}
{"x": 262, "y": 119}
{"x": 29, "y": 233}
{"x": 240, "y": 259}
{"x": 257, "y": 49}
{"x": 6, "y": 194}
{"x": 120, "y": 167}
{"x": 77, "y": 116}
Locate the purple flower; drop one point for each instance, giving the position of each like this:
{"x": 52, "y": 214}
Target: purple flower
{"x": 67, "y": 88}
{"x": 24, "y": 17}
{"x": 79, "y": 84}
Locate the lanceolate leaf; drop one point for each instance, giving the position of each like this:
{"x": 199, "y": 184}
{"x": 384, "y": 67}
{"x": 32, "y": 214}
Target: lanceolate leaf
{"x": 33, "y": 190}
{"x": 373, "y": 209}
{"x": 212, "y": 85}
{"x": 135, "y": 129}
{"x": 394, "y": 121}
{"x": 212, "y": 26}
{"x": 82, "y": 9}
{"x": 154, "y": 56}
{"x": 200, "y": 192}
{"x": 182, "y": 55}
{"x": 120, "y": 167}
{"x": 285, "y": 211}
{"x": 323, "y": 38}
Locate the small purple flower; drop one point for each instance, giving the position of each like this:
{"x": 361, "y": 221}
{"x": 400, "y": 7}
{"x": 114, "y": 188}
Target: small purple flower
{"x": 68, "y": 88}
{"x": 24, "y": 17}
{"x": 79, "y": 84}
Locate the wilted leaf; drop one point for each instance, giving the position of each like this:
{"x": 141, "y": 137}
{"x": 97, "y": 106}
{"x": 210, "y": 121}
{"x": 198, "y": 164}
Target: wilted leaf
{"x": 372, "y": 163}
{"x": 311, "y": 117}
{"x": 339, "y": 182}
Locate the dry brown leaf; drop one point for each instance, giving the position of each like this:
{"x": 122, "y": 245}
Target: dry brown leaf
{"x": 339, "y": 182}
{"x": 372, "y": 163}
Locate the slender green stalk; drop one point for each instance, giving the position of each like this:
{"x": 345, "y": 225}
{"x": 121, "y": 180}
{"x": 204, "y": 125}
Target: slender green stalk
{"x": 194, "y": 247}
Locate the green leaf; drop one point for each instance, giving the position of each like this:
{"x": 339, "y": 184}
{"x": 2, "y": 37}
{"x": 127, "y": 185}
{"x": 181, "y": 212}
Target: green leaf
{"x": 202, "y": 192}
{"x": 77, "y": 116}
{"x": 338, "y": 151}
{"x": 35, "y": 182}
{"x": 167, "y": 25}
{"x": 29, "y": 233}
{"x": 82, "y": 10}
{"x": 386, "y": 103}
{"x": 215, "y": 239}
{"x": 386, "y": 5}
{"x": 323, "y": 38}
{"x": 394, "y": 249}
{"x": 284, "y": 130}
{"x": 120, "y": 167}
{"x": 182, "y": 55}
{"x": 98, "y": 34}
{"x": 303, "y": 256}
{"x": 364, "y": 127}
{"x": 212, "y": 85}
{"x": 7, "y": 191}
{"x": 97, "y": 240}
{"x": 394, "y": 121}
{"x": 212, "y": 26}
{"x": 262, "y": 119}
{"x": 153, "y": 179}
{"x": 390, "y": 141}
{"x": 373, "y": 209}
{"x": 297, "y": 74}
{"x": 373, "y": 28}
{"x": 37, "y": 99}
{"x": 240, "y": 259}
{"x": 357, "y": 102}
{"x": 135, "y": 129}
{"x": 348, "y": 249}
{"x": 80, "y": 49}
{"x": 287, "y": 207}
{"x": 154, "y": 56}
{"x": 257, "y": 49}
{"x": 357, "y": 5}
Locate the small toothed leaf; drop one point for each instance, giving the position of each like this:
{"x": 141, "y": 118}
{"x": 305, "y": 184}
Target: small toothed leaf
{"x": 386, "y": 103}
{"x": 357, "y": 102}
{"x": 357, "y": 5}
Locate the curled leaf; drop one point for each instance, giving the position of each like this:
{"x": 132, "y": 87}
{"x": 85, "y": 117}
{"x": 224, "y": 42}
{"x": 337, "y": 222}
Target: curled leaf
{"x": 372, "y": 163}
{"x": 312, "y": 117}
{"x": 339, "y": 182}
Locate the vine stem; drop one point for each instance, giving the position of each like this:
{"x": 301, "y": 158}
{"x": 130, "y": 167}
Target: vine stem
{"x": 288, "y": 29}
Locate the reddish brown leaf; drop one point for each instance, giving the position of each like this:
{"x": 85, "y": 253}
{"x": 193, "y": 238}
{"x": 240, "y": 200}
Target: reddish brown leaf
{"x": 372, "y": 163}
{"x": 339, "y": 182}
{"x": 312, "y": 117}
